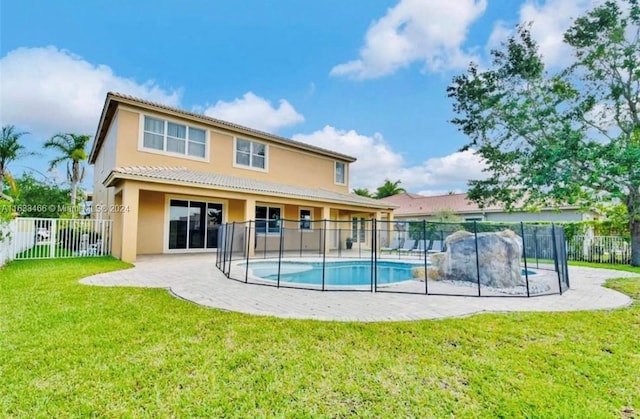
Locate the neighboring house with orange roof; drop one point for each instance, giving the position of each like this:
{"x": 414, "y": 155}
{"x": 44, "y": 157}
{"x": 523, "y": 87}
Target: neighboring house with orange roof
{"x": 168, "y": 178}
{"x": 419, "y": 207}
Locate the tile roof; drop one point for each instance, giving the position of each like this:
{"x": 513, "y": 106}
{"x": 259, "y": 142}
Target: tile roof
{"x": 412, "y": 204}
{"x": 234, "y": 183}
{"x": 415, "y": 205}
{"x": 113, "y": 97}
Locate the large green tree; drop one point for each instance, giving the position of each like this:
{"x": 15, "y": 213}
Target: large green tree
{"x": 10, "y": 150}
{"x": 572, "y": 137}
{"x": 71, "y": 149}
{"x": 389, "y": 188}
{"x": 39, "y": 198}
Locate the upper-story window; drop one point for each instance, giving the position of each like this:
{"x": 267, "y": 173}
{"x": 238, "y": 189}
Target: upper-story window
{"x": 251, "y": 154}
{"x": 163, "y": 135}
{"x": 341, "y": 173}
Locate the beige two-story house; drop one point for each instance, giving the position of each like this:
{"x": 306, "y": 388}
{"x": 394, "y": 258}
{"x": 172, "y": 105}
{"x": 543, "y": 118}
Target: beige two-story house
{"x": 167, "y": 178}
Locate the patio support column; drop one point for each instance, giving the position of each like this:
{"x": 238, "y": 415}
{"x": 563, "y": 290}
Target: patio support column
{"x": 250, "y": 214}
{"x": 379, "y": 227}
{"x": 326, "y": 215}
{"x": 116, "y": 232}
{"x": 129, "y": 213}
{"x": 388, "y": 226}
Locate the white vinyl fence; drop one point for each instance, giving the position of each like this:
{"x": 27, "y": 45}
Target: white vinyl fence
{"x": 46, "y": 238}
{"x": 601, "y": 249}
{"x": 587, "y": 248}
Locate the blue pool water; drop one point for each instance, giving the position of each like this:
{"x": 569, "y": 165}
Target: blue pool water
{"x": 353, "y": 272}
{"x": 336, "y": 273}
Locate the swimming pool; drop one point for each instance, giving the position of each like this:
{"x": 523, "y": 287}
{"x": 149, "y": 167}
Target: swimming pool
{"x": 339, "y": 273}
{"x": 353, "y": 272}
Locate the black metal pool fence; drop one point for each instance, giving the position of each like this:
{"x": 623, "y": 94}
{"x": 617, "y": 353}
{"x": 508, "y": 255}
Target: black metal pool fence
{"x": 420, "y": 257}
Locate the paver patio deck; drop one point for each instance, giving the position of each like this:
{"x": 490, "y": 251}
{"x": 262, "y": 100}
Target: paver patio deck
{"x": 195, "y": 278}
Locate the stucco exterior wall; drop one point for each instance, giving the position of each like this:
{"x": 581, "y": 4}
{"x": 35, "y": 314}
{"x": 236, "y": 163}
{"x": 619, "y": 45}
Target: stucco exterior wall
{"x": 117, "y": 233}
{"x": 284, "y": 165}
{"x": 104, "y": 163}
{"x": 235, "y": 210}
{"x": 151, "y": 223}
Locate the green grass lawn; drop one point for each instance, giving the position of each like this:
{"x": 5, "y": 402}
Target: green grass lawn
{"x": 70, "y": 350}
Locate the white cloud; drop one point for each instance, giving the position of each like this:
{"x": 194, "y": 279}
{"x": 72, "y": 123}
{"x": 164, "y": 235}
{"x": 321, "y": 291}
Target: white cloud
{"x": 432, "y": 32}
{"x": 255, "y": 112}
{"x": 501, "y": 32}
{"x": 47, "y": 90}
{"x": 454, "y": 168}
{"x": 377, "y": 161}
{"x": 551, "y": 20}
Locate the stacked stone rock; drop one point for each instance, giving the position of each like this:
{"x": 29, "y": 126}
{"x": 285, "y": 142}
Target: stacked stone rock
{"x": 498, "y": 259}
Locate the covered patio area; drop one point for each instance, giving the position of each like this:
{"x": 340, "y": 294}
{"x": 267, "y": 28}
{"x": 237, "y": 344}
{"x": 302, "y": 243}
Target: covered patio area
{"x": 174, "y": 210}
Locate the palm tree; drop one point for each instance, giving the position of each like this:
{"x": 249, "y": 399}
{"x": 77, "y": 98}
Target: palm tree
{"x": 72, "y": 150}
{"x": 10, "y": 150}
{"x": 362, "y": 192}
{"x": 389, "y": 188}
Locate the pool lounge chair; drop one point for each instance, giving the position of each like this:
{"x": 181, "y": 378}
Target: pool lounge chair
{"x": 436, "y": 246}
{"x": 95, "y": 249}
{"x": 395, "y": 245}
{"x": 420, "y": 247}
{"x": 408, "y": 246}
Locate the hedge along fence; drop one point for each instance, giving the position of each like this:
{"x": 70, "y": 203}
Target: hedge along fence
{"x": 597, "y": 228}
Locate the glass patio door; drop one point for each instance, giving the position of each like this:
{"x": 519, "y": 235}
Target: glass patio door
{"x": 178, "y": 224}
{"x": 359, "y": 229}
{"x": 193, "y": 224}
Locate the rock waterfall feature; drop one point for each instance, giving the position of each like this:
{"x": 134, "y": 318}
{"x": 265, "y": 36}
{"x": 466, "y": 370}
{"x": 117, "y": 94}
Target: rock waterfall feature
{"x": 498, "y": 259}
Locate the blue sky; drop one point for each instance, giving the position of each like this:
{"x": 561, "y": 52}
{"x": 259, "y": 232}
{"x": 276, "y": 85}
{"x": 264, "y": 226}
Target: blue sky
{"x": 364, "y": 77}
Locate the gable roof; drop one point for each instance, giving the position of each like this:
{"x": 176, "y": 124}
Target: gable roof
{"x": 184, "y": 176}
{"x": 113, "y": 99}
{"x": 420, "y": 205}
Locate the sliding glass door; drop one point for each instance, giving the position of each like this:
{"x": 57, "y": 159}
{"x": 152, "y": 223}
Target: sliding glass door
{"x": 194, "y": 224}
{"x": 359, "y": 229}
{"x": 178, "y": 224}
